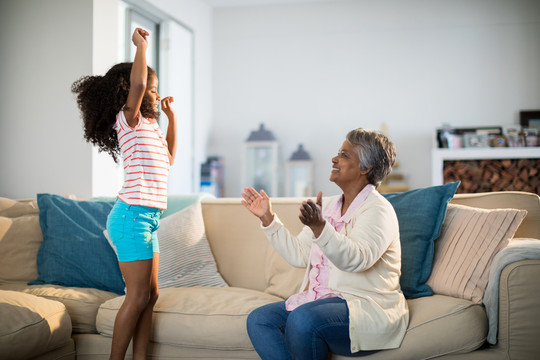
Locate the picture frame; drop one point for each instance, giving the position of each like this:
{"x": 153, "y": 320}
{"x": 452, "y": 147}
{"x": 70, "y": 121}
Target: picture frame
{"x": 458, "y": 136}
{"x": 530, "y": 119}
{"x": 475, "y": 140}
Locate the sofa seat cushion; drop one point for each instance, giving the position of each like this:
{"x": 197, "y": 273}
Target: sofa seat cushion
{"x": 98, "y": 347}
{"x": 81, "y": 303}
{"x": 197, "y": 317}
{"x": 31, "y": 325}
{"x": 439, "y": 325}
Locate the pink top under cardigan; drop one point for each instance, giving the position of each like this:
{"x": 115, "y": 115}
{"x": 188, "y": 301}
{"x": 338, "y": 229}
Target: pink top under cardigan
{"x": 319, "y": 274}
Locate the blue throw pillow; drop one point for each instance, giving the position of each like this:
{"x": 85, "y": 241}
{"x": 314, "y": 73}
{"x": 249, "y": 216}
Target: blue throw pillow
{"x": 74, "y": 250}
{"x": 420, "y": 214}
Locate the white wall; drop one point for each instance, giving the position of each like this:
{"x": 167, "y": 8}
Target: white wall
{"x": 311, "y": 72}
{"x": 46, "y": 45}
{"x": 107, "y": 176}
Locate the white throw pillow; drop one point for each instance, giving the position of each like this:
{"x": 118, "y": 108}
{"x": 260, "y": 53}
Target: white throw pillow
{"x": 185, "y": 257}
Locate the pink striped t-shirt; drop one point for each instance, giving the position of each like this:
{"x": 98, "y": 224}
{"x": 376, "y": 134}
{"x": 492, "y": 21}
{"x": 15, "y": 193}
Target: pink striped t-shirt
{"x": 145, "y": 158}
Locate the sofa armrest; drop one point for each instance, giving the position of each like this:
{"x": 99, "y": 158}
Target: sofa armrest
{"x": 519, "y": 310}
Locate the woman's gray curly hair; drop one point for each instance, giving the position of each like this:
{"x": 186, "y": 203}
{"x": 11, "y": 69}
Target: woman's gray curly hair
{"x": 376, "y": 153}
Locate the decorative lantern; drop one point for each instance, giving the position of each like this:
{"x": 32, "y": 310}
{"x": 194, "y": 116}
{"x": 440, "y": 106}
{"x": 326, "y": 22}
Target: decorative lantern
{"x": 261, "y": 161}
{"x": 300, "y": 174}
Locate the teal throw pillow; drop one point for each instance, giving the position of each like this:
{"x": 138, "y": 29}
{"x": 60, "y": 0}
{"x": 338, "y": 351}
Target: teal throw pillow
{"x": 420, "y": 214}
{"x": 74, "y": 251}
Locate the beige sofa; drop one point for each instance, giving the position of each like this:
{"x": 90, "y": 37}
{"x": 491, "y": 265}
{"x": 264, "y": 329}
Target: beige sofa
{"x": 209, "y": 322}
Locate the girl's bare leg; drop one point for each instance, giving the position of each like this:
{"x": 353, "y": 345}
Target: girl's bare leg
{"x": 137, "y": 276}
{"x": 141, "y": 338}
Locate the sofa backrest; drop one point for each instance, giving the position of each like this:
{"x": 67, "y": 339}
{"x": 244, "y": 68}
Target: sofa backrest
{"x": 246, "y": 259}
{"x": 243, "y": 255}
{"x": 530, "y": 226}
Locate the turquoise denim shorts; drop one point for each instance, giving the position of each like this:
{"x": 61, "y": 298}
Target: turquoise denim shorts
{"x": 133, "y": 231}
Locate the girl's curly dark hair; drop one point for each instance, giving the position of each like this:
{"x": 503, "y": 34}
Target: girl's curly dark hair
{"x": 100, "y": 98}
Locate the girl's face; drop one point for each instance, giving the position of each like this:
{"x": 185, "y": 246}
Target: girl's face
{"x": 151, "y": 99}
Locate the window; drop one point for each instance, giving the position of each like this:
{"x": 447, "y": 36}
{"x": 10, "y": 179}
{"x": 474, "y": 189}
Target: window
{"x": 170, "y": 54}
{"x": 135, "y": 19}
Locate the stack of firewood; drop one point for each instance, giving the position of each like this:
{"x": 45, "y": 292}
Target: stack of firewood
{"x": 494, "y": 175}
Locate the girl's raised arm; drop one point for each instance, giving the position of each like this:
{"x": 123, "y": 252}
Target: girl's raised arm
{"x": 171, "y": 129}
{"x": 138, "y": 78}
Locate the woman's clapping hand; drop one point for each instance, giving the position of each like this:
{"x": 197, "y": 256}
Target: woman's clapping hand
{"x": 258, "y": 204}
{"x": 311, "y": 215}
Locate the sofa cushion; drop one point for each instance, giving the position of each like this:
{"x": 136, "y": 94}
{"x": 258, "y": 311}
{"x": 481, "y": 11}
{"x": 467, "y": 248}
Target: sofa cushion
{"x": 197, "y": 317}
{"x": 31, "y": 325}
{"x": 185, "y": 256}
{"x": 14, "y": 208}
{"x": 420, "y": 214}
{"x": 508, "y": 200}
{"x": 74, "y": 250}
{"x": 282, "y": 278}
{"x": 470, "y": 239}
{"x": 20, "y": 239}
{"x": 82, "y": 304}
{"x": 438, "y": 325}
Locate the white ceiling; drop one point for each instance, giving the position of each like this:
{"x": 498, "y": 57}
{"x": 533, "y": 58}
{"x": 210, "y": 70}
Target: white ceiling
{"x": 231, "y": 3}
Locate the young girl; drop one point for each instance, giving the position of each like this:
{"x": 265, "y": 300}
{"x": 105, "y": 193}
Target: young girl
{"x": 119, "y": 112}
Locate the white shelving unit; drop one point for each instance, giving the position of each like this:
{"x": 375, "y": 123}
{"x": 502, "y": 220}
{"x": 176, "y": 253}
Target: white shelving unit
{"x": 438, "y": 156}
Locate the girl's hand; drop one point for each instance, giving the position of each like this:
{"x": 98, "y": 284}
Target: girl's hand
{"x": 311, "y": 215}
{"x": 166, "y": 107}
{"x": 139, "y": 37}
{"x": 258, "y": 204}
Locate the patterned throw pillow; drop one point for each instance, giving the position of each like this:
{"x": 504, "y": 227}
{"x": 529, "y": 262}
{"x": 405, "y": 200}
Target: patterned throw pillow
{"x": 185, "y": 257}
{"x": 470, "y": 239}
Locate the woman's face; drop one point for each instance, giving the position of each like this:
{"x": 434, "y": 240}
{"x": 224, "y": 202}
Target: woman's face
{"x": 346, "y": 167}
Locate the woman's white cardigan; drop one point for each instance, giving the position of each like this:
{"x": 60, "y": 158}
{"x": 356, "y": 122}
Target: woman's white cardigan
{"x": 365, "y": 265}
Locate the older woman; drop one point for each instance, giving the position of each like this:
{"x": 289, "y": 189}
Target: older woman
{"x": 350, "y": 301}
